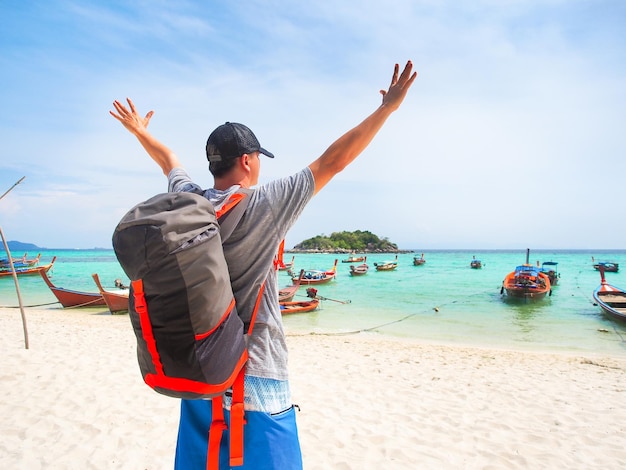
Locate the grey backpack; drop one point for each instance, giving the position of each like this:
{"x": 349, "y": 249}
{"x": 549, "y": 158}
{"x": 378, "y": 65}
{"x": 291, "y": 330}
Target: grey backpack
{"x": 190, "y": 339}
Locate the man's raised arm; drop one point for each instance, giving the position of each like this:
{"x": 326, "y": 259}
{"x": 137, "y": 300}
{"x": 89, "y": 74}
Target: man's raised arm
{"x": 138, "y": 126}
{"x": 345, "y": 149}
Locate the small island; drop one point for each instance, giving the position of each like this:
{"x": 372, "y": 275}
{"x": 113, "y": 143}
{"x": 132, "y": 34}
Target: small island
{"x": 358, "y": 241}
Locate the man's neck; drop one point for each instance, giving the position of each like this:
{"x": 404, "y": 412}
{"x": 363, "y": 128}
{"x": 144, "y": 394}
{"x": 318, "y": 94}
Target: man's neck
{"x": 229, "y": 180}
{"x": 224, "y": 183}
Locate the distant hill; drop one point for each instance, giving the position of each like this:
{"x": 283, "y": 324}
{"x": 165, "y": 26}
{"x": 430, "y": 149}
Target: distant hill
{"x": 19, "y": 246}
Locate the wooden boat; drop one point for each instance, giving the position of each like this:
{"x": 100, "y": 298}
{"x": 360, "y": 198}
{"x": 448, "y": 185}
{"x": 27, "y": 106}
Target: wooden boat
{"x": 312, "y": 276}
{"x": 116, "y": 302}
{"x": 353, "y": 259}
{"x": 611, "y": 299}
{"x": 526, "y": 282}
{"x": 476, "y": 263}
{"x": 608, "y": 266}
{"x": 359, "y": 269}
{"x": 419, "y": 260}
{"x": 286, "y": 294}
{"x": 73, "y": 298}
{"x": 387, "y": 265}
{"x": 22, "y": 262}
{"x": 27, "y": 270}
{"x": 298, "y": 307}
{"x": 550, "y": 268}
{"x": 286, "y": 266}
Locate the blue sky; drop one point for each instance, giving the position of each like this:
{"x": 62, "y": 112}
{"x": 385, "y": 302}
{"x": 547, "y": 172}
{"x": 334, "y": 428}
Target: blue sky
{"x": 512, "y": 136}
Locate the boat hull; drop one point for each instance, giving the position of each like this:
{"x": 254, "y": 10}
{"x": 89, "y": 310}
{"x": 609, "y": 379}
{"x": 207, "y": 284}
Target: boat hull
{"x": 28, "y": 271}
{"x": 287, "y": 294}
{"x": 525, "y": 293}
{"x": 117, "y": 303}
{"x": 527, "y": 284}
{"x": 358, "y": 271}
{"x": 611, "y": 299}
{"x": 312, "y": 277}
{"x": 607, "y": 266}
{"x": 613, "y": 306}
{"x": 387, "y": 265}
{"x": 71, "y": 298}
{"x": 287, "y": 308}
{"x": 329, "y": 277}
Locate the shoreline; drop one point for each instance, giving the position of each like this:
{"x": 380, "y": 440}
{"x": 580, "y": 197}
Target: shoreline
{"x": 373, "y": 334}
{"x": 76, "y": 398}
{"x": 381, "y": 337}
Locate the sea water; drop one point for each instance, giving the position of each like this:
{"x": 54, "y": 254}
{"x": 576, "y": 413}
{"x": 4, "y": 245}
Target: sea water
{"x": 443, "y": 301}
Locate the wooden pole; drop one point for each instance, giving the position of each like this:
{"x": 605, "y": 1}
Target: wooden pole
{"x": 8, "y": 190}
{"x": 17, "y": 289}
{"x": 17, "y": 284}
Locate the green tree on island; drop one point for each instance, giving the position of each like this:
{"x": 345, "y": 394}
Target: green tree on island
{"x": 359, "y": 240}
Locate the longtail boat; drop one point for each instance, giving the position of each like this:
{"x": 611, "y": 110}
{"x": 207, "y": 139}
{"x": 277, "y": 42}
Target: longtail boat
{"x": 360, "y": 269}
{"x": 607, "y": 266}
{"x": 73, "y": 298}
{"x": 117, "y": 303}
{"x": 312, "y": 276}
{"x": 387, "y": 265}
{"x": 298, "y": 307}
{"x": 526, "y": 282}
{"x": 550, "y": 268}
{"x": 27, "y": 270}
{"x": 22, "y": 262}
{"x": 353, "y": 259}
{"x": 419, "y": 260}
{"x": 611, "y": 299}
{"x": 286, "y": 294}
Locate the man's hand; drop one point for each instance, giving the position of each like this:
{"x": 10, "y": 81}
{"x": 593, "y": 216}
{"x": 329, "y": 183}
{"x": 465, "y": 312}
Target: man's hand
{"x": 393, "y": 97}
{"x": 138, "y": 126}
{"x": 131, "y": 120}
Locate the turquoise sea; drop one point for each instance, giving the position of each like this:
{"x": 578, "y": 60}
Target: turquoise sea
{"x": 443, "y": 301}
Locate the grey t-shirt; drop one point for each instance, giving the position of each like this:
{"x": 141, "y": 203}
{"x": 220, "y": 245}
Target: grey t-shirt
{"x": 250, "y": 252}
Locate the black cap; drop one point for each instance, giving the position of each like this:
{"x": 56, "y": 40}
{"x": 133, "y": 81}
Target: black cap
{"x": 232, "y": 140}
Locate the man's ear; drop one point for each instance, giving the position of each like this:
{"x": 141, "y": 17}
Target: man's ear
{"x": 245, "y": 160}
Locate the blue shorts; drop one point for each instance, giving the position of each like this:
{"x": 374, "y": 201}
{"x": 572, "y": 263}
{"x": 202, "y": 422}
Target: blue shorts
{"x": 270, "y": 440}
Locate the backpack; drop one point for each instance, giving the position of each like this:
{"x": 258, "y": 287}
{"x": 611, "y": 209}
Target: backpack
{"x": 190, "y": 339}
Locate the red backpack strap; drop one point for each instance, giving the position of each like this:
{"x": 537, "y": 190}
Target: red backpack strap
{"x": 141, "y": 307}
{"x": 237, "y": 414}
{"x": 237, "y": 421}
{"x": 278, "y": 261}
{"x": 231, "y": 212}
{"x": 256, "y": 309}
{"x": 218, "y": 426}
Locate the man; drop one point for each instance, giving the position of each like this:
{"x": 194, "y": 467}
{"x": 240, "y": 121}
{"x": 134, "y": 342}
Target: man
{"x": 270, "y": 434}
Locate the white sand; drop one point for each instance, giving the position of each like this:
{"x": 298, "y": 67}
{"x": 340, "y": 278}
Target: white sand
{"x": 75, "y": 399}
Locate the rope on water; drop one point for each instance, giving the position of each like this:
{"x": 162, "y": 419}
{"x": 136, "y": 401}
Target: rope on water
{"x": 28, "y": 306}
{"x": 86, "y": 304}
{"x": 382, "y": 325}
{"x": 618, "y": 334}
{"x": 586, "y": 296}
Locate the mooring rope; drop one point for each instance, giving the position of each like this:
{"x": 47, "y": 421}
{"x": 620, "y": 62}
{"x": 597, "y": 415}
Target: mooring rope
{"x": 392, "y": 322}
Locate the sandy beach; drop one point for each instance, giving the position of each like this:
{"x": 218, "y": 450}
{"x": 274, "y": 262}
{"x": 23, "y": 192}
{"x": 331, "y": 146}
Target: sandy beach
{"x": 75, "y": 399}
